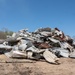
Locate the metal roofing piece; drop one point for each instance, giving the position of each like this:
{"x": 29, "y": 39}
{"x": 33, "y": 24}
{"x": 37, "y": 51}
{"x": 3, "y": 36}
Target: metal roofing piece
{"x": 61, "y": 52}
{"x": 33, "y": 49}
{"x": 5, "y": 46}
{"x": 22, "y": 47}
{"x": 66, "y": 46}
{"x": 53, "y": 40}
{"x": 15, "y": 54}
{"x": 50, "y": 57}
{"x": 72, "y": 54}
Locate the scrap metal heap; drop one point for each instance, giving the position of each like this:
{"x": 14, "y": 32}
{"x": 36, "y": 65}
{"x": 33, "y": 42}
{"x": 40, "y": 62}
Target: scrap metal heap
{"x": 44, "y": 43}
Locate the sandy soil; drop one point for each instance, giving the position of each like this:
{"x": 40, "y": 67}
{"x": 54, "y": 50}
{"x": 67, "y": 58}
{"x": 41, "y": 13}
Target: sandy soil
{"x": 67, "y": 67}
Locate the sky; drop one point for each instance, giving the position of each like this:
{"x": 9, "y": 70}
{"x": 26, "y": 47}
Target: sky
{"x": 34, "y": 14}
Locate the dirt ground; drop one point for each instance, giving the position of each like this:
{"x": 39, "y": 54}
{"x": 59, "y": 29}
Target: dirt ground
{"x": 29, "y": 67}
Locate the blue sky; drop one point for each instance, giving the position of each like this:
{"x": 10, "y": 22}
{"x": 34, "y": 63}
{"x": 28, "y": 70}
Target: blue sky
{"x": 33, "y": 14}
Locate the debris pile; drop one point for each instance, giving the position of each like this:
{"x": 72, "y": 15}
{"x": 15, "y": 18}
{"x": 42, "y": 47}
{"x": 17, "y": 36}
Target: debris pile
{"x": 44, "y": 43}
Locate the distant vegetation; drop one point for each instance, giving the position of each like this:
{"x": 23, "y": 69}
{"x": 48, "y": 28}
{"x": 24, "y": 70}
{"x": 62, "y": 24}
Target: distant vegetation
{"x": 4, "y": 32}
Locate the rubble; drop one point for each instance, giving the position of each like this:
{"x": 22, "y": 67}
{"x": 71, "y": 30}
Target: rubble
{"x": 44, "y": 43}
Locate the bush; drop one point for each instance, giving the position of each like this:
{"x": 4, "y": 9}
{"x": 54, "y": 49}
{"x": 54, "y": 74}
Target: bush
{"x": 2, "y": 35}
